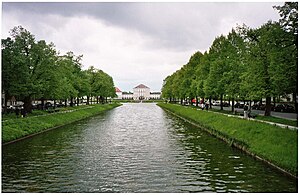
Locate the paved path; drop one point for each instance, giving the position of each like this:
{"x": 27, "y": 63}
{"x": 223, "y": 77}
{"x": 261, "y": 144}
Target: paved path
{"x": 272, "y": 123}
{"x": 291, "y": 116}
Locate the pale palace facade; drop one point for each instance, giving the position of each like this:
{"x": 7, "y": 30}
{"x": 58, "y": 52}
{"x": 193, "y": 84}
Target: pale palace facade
{"x": 140, "y": 92}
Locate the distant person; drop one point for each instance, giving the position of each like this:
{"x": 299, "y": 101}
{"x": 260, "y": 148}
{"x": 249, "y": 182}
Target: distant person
{"x": 246, "y": 111}
{"x": 202, "y": 103}
{"x": 206, "y": 106}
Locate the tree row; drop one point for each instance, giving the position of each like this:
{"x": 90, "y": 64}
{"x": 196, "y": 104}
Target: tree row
{"x": 247, "y": 64}
{"x": 34, "y": 69}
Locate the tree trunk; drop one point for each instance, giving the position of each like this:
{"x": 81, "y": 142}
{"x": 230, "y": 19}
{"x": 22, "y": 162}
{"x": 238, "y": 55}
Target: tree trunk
{"x": 72, "y": 103}
{"x": 268, "y": 106}
{"x": 197, "y": 101}
{"x": 232, "y": 105}
{"x": 77, "y": 101}
{"x": 87, "y": 100}
{"x": 221, "y": 103}
{"x": 6, "y": 97}
{"x": 43, "y": 103}
{"x": 295, "y": 102}
{"x": 181, "y": 101}
{"x": 27, "y": 104}
{"x": 209, "y": 102}
{"x": 65, "y": 102}
{"x": 54, "y": 103}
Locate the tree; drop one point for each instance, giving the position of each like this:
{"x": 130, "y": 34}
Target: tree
{"x": 189, "y": 78}
{"x": 166, "y": 88}
{"x": 202, "y": 72}
{"x": 289, "y": 23}
{"x": 69, "y": 67}
{"x": 7, "y": 69}
{"x": 235, "y": 57}
{"x": 289, "y": 19}
{"x": 101, "y": 84}
{"x": 214, "y": 85}
{"x": 269, "y": 72}
{"x": 28, "y": 65}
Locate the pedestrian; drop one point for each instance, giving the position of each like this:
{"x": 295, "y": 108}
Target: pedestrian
{"x": 206, "y": 106}
{"x": 246, "y": 111}
{"x": 202, "y": 103}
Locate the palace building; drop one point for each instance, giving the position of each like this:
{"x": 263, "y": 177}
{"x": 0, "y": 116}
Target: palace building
{"x": 140, "y": 92}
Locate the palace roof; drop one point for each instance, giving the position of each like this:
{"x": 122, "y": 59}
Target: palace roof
{"x": 141, "y": 86}
{"x": 117, "y": 89}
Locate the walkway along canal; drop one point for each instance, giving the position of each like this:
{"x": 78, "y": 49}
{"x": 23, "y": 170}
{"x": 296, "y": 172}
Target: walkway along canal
{"x": 134, "y": 148}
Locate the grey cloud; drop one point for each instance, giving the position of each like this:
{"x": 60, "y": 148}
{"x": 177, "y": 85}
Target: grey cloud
{"x": 176, "y": 26}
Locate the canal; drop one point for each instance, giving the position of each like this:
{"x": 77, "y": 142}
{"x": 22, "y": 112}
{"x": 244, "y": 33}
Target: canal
{"x": 134, "y": 148}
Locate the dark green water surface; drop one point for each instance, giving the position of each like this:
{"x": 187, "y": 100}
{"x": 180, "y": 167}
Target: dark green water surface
{"x": 134, "y": 148}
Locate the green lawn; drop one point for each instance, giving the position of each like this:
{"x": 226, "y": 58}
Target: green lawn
{"x": 275, "y": 144}
{"x": 278, "y": 120}
{"x": 16, "y": 128}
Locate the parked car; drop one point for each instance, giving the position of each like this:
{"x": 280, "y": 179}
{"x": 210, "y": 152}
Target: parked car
{"x": 289, "y": 108}
{"x": 216, "y": 103}
{"x": 279, "y": 108}
{"x": 255, "y": 106}
{"x": 59, "y": 105}
{"x": 284, "y": 108}
{"x": 17, "y": 106}
{"x": 34, "y": 106}
{"x": 226, "y": 104}
{"x": 48, "y": 105}
{"x": 10, "y": 109}
{"x": 239, "y": 105}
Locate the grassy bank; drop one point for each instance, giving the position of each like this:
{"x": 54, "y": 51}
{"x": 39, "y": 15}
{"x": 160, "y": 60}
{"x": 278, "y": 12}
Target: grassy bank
{"x": 273, "y": 144}
{"x": 278, "y": 120}
{"x": 21, "y": 127}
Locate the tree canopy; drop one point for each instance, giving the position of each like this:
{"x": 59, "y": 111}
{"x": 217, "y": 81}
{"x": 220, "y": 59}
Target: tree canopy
{"x": 33, "y": 69}
{"x": 246, "y": 64}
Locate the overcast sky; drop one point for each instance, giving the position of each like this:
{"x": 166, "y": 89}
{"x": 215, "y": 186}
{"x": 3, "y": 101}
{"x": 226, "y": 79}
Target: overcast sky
{"x": 134, "y": 42}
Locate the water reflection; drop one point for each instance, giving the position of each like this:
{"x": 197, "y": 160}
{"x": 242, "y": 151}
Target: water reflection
{"x": 134, "y": 148}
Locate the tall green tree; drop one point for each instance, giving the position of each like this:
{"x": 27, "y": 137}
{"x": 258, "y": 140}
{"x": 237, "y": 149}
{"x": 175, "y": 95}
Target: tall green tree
{"x": 68, "y": 68}
{"x": 31, "y": 64}
{"x": 214, "y": 85}
{"x": 190, "y": 75}
{"x": 7, "y": 69}
{"x": 167, "y": 89}
{"x": 101, "y": 83}
{"x": 289, "y": 23}
{"x": 269, "y": 71}
{"x": 235, "y": 58}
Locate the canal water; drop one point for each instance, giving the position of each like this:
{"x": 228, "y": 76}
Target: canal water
{"x": 134, "y": 148}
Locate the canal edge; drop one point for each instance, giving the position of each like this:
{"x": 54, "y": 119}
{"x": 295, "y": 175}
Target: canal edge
{"x": 233, "y": 143}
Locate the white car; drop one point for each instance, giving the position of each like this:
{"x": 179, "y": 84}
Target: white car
{"x": 216, "y": 103}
